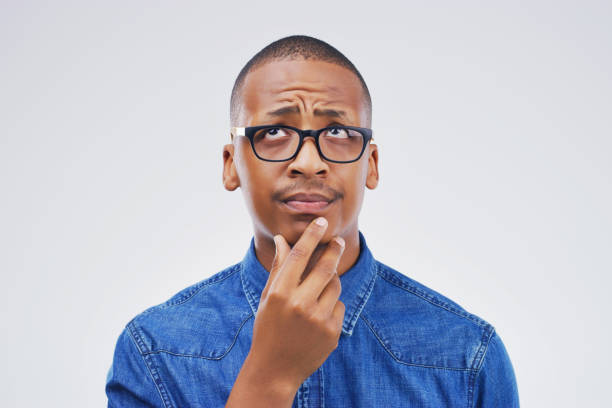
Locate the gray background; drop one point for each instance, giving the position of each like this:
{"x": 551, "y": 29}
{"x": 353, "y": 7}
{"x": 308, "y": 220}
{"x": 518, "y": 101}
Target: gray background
{"x": 493, "y": 122}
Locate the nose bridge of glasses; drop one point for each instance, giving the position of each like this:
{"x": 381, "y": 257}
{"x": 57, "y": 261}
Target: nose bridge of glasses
{"x": 313, "y": 148}
{"x": 307, "y": 133}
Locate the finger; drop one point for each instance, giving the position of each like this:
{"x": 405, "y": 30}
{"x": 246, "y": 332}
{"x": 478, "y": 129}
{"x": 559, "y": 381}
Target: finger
{"x": 291, "y": 270}
{"x": 282, "y": 249}
{"x": 329, "y": 297}
{"x": 338, "y": 315}
{"x": 325, "y": 269}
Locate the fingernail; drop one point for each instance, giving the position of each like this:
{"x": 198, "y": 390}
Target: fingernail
{"x": 340, "y": 241}
{"x": 321, "y": 221}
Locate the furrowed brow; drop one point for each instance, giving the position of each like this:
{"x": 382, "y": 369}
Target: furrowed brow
{"x": 317, "y": 112}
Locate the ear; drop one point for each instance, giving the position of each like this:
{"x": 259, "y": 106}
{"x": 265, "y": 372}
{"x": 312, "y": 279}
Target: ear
{"x": 372, "y": 177}
{"x": 230, "y": 175}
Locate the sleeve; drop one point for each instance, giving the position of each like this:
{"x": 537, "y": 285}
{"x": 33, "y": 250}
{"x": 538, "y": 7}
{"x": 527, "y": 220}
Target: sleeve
{"x": 129, "y": 382}
{"x": 495, "y": 384}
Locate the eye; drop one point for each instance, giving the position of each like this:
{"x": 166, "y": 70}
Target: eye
{"x": 336, "y": 133}
{"x": 275, "y": 133}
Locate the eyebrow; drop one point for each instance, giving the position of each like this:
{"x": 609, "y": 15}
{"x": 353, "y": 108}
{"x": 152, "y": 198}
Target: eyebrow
{"x": 317, "y": 112}
{"x": 284, "y": 110}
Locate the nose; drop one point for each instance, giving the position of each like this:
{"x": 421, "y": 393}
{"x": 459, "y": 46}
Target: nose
{"x": 308, "y": 162}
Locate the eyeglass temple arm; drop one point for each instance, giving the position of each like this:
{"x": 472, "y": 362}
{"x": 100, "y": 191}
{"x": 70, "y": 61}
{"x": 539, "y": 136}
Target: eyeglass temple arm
{"x": 237, "y": 131}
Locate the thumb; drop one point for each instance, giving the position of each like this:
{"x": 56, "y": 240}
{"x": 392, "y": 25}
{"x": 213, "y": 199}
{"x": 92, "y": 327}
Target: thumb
{"x": 282, "y": 250}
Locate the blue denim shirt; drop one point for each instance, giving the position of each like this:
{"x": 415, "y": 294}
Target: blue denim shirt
{"x": 402, "y": 345}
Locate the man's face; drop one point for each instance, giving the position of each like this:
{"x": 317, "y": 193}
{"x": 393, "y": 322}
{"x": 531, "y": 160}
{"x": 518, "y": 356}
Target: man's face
{"x": 308, "y": 95}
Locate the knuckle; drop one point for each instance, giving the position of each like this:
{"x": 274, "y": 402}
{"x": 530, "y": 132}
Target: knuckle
{"x": 276, "y": 296}
{"x": 327, "y": 271}
{"x": 333, "y": 330}
{"x": 298, "y": 252}
{"x": 300, "y": 308}
{"x": 319, "y": 320}
{"x": 327, "y": 267}
{"x": 336, "y": 285}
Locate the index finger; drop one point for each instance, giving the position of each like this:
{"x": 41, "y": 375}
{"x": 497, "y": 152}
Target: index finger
{"x": 289, "y": 273}
{"x": 282, "y": 248}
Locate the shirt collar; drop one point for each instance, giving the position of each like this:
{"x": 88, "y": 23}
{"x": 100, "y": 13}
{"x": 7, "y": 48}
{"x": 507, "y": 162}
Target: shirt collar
{"x": 357, "y": 282}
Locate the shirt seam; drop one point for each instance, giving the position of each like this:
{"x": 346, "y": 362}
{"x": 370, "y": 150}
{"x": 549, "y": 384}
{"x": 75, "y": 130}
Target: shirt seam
{"x": 247, "y": 291}
{"x": 382, "y": 343}
{"x": 477, "y": 363}
{"x": 218, "y": 277}
{"x": 322, "y": 388}
{"x": 430, "y": 298}
{"x": 361, "y": 300}
{"x": 158, "y": 387}
{"x": 172, "y": 353}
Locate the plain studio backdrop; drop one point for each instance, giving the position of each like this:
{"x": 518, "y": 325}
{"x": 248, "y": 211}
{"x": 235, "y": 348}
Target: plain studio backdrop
{"x": 494, "y": 126}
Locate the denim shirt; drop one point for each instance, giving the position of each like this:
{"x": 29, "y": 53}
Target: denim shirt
{"x": 402, "y": 345}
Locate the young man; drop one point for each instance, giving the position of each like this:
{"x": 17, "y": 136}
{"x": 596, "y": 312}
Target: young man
{"x": 308, "y": 318}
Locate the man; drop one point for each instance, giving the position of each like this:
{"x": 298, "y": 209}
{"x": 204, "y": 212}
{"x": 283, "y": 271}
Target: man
{"x": 308, "y": 318}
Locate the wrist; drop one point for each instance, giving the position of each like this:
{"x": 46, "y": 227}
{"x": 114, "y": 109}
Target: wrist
{"x": 257, "y": 387}
{"x": 260, "y": 376}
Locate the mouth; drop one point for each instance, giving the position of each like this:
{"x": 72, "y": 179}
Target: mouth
{"x": 307, "y": 203}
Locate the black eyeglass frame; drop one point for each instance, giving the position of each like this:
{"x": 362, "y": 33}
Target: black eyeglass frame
{"x": 249, "y": 133}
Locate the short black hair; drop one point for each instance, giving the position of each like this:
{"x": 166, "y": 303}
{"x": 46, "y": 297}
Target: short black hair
{"x": 295, "y": 47}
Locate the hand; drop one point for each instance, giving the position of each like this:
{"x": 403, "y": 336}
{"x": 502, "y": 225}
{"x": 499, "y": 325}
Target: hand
{"x": 298, "y": 324}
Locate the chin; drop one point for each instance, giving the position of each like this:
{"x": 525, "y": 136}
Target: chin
{"x": 292, "y": 232}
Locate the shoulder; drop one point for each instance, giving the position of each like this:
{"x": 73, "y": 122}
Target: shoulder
{"x": 419, "y": 326}
{"x": 201, "y": 320}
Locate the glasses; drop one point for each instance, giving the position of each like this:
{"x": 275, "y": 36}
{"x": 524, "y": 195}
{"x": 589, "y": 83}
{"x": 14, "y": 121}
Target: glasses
{"x": 338, "y": 144}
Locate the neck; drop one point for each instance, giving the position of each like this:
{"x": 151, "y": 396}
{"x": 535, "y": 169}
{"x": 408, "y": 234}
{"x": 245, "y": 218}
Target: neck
{"x": 265, "y": 250}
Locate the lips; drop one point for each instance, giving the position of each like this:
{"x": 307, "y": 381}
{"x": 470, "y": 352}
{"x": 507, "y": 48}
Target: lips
{"x": 308, "y": 202}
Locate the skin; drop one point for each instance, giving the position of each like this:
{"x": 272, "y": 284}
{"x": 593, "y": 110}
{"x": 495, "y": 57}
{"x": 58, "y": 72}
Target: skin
{"x": 312, "y": 87}
{"x": 299, "y": 319}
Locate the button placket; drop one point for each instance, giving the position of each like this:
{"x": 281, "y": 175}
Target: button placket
{"x": 310, "y": 393}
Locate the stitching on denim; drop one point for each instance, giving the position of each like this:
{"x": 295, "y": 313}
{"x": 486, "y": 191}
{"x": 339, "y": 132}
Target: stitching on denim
{"x": 218, "y": 277}
{"x": 300, "y": 395}
{"x": 362, "y": 298}
{"x": 152, "y": 372}
{"x": 405, "y": 362}
{"x": 213, "y": 279}
{"x": 394, "y": 280}
{"x": 478, "y": 360}
{"x": 199, "y": 356}
{"x": 246, "y": 288}
{"x": 322, "y": 387}
{"x": 305, "y": 392}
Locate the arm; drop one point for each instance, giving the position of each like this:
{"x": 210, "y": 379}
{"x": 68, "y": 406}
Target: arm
{"x": 495, "y": 384}
{"x": 129, "y": 383}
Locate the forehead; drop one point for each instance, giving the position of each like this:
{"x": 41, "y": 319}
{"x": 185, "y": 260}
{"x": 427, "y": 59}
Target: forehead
{"x": 307, "y": 84}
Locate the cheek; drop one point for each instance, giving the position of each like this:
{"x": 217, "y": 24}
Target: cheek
{"x": 258, "y": 186}
{"x": 255, "y": 185}
{"x": 353, "y": 194}
{"x": 353, "y": 186}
